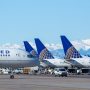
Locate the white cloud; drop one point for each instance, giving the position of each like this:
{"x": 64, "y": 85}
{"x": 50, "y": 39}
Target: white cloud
{"x": 83, "y": 44}
{"x": 33, "y": 45}
{"x": 86, "y": 43}
{"x": 8, "y": 45}
{"x": 78, "y": 45}
{"x": 53, "y": 46}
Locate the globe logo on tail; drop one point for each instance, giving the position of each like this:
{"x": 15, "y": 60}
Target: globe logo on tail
{"x": 45, "y": 54}
{"x": 33, "y": 52}
{"x": 72, "y": 53}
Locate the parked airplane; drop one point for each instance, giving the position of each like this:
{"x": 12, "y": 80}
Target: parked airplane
{"x": 16, "y": 58}
{"x": 32, "y": 51}
{"x": 46, "y": 57}
{"x": 73, "y": 56}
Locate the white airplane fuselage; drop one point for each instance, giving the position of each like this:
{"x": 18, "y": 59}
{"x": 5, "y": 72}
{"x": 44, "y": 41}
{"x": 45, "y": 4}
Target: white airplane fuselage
{"x": 55, "y": 63}
{"x": 80, "y": 62}
{"x": 16, "y": 58}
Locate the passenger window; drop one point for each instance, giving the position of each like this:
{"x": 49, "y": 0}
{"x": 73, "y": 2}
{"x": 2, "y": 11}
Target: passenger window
{"x": 8, "y": 55}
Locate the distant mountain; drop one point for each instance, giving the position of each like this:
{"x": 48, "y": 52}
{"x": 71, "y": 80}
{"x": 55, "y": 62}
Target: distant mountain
{"x": 59, "y": 53}
{"x": 85, "y": 52}
{"x": 83, "y": 46}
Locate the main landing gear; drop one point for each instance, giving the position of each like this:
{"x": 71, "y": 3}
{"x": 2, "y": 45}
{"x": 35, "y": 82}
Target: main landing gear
{"x": 11, "y": 76}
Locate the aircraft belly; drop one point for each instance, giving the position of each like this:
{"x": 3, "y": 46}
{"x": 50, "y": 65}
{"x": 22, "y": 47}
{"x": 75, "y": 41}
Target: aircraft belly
{"x": 17, "y": 63}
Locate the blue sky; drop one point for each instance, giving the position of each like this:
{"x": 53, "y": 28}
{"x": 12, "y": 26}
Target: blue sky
{"x": 46, "y": 19}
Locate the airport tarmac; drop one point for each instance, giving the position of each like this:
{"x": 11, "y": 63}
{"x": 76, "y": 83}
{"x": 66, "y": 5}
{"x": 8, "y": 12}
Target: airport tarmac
{"x": 42, "y": 82}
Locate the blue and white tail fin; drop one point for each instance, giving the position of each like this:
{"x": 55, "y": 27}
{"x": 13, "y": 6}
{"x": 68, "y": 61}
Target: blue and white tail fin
{"x": 69, "y": 49}
{"x": 43, "y": 52}
{"x": 29, "y": 49}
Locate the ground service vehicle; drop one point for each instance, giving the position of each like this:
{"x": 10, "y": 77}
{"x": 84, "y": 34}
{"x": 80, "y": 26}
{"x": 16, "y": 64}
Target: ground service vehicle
{"x": 60, "y": 72}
